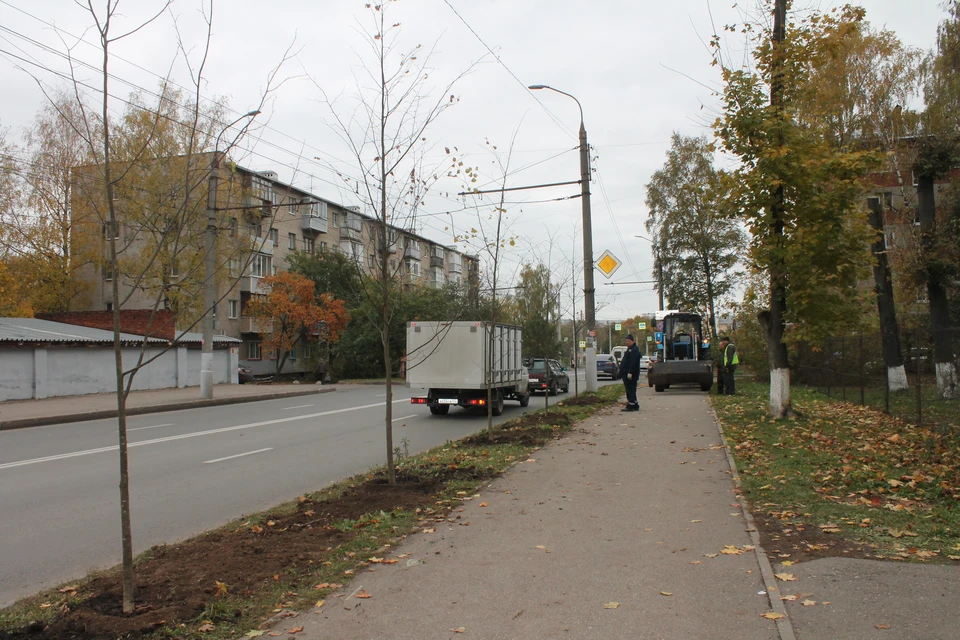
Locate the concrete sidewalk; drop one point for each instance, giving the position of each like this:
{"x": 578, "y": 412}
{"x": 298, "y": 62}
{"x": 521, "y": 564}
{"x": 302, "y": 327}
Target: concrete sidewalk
{"x": 618, "y": 530}
{"x": 628, "y": 527}
{"x": 33, "y": 413}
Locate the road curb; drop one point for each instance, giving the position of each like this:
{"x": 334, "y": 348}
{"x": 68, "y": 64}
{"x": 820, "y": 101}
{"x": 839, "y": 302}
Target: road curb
{"x": 41, "y": 421}
{"x": 784, "y": 626}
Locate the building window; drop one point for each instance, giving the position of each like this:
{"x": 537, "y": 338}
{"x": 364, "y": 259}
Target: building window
{"x": 109, "y": 306}
{"x": 254, "y": 351}
{"x": 292, "y": 355}
{"x": 323, "y": 246}
{"x": 263, "y": 189}
{"x": 292, "y": 241}
{"x": 274, "y": 237}
{"x": 335, "y": 219}
{"x": 234, "y": 227}
{"x": 108, "y": 227}
{"x": 232, "y": 308}
{"x": 233, "y": 267}
{"x": 262, "y": 265}
{"x": 292, "y": 207}
{"x": 108, "y": 272}
{"x": 174, "y": 270}
{"x": 372, "y": 261}
{"x": 308, "y": 245}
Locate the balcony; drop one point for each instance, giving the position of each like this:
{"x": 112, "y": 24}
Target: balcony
{"x": 350, "y": 233}
{"x": 313, "y": 224}
{"x": 252, "y": 325}
{"x": 436, "y": 261}
{"x": 454, "y": 266}
{"x": 411, "y": 252}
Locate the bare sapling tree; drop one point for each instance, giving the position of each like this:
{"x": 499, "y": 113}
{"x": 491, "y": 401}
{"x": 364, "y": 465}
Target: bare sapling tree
{"x": 491, "y": 238}
{"x": 384, "y": 126}
{"x": 142, "y": 194}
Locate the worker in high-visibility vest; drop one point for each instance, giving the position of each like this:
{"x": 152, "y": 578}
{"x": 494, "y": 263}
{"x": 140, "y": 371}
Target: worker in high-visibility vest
{"x": 728, "y": 365}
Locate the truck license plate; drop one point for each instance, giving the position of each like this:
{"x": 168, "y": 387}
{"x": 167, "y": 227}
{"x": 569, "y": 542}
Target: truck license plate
{"x": 446, "y": 401}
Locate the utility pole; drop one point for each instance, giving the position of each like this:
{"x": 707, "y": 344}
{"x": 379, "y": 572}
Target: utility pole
{"x": 589, "y": 304}
{"x": 210, "y": 266}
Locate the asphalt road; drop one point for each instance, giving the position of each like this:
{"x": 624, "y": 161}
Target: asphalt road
{"x": 191, "y": 471}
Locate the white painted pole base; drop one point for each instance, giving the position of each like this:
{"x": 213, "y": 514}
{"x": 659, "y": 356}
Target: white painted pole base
{"x": 206, "y": 375}
{"x": 948, "y": 382}
{"x": 590, "y": 372}
{"x": 779, "y": 392}
{"x": 897, "y": 378}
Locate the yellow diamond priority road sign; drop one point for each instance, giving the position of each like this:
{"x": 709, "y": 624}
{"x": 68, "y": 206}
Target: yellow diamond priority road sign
{"x": 608, "y": 264}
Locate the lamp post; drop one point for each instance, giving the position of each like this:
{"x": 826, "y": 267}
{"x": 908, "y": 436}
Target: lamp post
{"x": 659, "y": 256}
{"x": 210, "y": 265}
{"x": 589, "y": 304}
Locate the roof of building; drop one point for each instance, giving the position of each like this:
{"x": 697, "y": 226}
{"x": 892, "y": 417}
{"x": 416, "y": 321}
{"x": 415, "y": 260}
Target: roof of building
{"x": 195, "y": 336}
{"x": 34, "y": 330}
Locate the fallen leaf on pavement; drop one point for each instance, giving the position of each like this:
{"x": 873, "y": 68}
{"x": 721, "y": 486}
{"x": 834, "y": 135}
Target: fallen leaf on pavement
{"x": 695, "y": 562}
{"x": 320, "y": 603}
{"x": 771, "y": 615}
{"x": 293, "y": 630}
{"x": 459, "y": 630}
{"x": 483, "y": 504}
{"x": 205, "y": 627}
{"x": 710, "y": 555}
{"x": 786, "y": 577}
{"x": 789, "y": 598}
{"x": 665, "y": 593}
{"x": 788, "y": 563}
{"x": 882, "y": 626}
{"x": 611, "y": 605}
{"x": 68, "y": 589}
{"x": 362, "y": 594}
{"x": 429, "y": 530}
{"x": 808, "y": 603}
{"x": 253, "y": 633}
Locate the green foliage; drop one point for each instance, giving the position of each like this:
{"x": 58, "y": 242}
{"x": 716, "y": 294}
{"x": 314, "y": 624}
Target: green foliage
{"x": 799, "y": 194}
{"x": 696, "y": 245}
{"x": 537, "y": 303}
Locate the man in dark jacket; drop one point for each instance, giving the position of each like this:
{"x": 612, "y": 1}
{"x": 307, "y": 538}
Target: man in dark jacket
{"x": 629, "y": 372}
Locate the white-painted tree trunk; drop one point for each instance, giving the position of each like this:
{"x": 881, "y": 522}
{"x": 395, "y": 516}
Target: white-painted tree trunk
{"x": 897, "y": 378}
{"x": 779, "y": 392}
{"x": 948, "y": 382}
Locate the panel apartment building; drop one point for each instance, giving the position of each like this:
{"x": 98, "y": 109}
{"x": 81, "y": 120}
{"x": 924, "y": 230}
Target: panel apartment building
{"x": 261, "y": 223}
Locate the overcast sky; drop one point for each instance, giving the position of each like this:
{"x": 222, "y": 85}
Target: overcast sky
{"x": 640, "y": 69}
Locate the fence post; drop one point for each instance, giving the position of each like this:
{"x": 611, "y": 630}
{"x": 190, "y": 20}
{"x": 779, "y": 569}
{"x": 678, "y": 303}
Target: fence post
{"x": 862, "y": 399}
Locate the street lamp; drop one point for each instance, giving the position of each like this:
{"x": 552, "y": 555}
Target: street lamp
{"x": 590, "y": 311}
{"x": 659, "y": 256}
{"x": 210, "y": 265}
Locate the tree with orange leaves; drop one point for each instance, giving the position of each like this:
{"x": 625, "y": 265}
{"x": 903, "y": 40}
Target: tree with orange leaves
{"x": 292, "y": 314}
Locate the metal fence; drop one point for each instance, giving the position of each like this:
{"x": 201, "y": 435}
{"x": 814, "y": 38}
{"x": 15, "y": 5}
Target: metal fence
{"x": 852, "y": 368}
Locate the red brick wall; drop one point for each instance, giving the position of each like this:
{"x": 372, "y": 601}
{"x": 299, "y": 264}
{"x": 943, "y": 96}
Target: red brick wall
{"x": 133, "y": 321}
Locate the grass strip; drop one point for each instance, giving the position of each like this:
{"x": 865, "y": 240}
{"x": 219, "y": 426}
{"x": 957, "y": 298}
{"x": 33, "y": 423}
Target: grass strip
{"x": 838, "y": 471}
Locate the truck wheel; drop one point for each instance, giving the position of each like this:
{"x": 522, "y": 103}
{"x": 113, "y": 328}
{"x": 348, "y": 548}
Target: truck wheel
{"x": 649, "y": 384}
{"x": 497, "y": 401}
{"x": 566, "y": 389}
{"x": 659, "y": 388}
{"x": 525, "y": 400}
{"x": 439, "y": 409}
{"x": 553, "y": 390}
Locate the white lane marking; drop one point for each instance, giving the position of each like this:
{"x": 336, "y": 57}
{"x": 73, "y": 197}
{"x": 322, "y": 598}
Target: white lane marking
{"x": 251, "y": 425}
{"x": 156, "y": 426}
{"x": 239, "y": 455}
{"x": 404, "y": 418}
{"x": 299, "y": 406}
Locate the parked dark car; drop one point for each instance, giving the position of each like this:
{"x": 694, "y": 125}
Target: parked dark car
{"x": 550, "y": 378}
{"x": 607, "y": 366}
{"x": 244, "y": 374}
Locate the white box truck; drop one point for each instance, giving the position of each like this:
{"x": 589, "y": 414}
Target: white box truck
{"x": 453, "y": 361}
